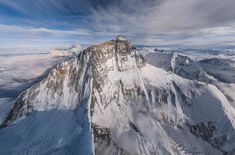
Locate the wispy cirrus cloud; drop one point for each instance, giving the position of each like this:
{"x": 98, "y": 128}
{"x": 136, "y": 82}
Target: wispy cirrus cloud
{"x": 171, "y": 22}
{"x": 37, "y": 31}
{"x": 23, "y": 39}
{"x": 205, "y": 23}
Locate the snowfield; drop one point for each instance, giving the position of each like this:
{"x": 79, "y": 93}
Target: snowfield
{"x": 116, "y": 99}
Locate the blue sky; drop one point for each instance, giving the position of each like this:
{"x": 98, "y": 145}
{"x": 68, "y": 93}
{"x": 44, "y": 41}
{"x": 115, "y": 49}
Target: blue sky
{"x": 39, "y": 25}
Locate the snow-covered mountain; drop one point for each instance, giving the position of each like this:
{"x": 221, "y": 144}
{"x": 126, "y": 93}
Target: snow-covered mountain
{"x": 112, "y": 100}
{"x": 216, "y": 71}
{"x": 73, "y": 50}
{"x": 181, "y": 65}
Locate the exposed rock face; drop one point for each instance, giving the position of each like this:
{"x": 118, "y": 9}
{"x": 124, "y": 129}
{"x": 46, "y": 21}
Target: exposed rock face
{"x": 207, "y": 131}
{"x": 134, "y": 108}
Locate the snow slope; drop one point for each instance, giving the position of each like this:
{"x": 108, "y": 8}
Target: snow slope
{"x": 110, "y": 100}
{"x": 213, "y": 70}
{"x": 5, "y": 107}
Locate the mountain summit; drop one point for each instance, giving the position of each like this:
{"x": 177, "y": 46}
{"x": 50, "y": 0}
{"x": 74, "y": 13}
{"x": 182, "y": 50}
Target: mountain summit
{"x": 109, "y": 100}
{"x": 121, "y": 38}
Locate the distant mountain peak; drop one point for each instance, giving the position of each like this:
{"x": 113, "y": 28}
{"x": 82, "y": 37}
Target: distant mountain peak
{"x": 74, "y": 49}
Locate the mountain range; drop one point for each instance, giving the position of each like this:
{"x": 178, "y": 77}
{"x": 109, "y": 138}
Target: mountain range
{"x": 114, "y": 98}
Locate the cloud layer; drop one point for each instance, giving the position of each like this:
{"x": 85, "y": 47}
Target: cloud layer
{"x": 200, "y": 23}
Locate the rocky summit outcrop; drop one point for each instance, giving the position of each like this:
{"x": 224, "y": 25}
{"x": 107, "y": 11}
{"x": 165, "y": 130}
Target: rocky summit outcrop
{"x": 133, "y": 107}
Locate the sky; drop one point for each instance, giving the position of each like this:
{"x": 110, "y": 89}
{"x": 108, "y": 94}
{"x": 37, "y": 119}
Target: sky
{"x": 40, "y": 25}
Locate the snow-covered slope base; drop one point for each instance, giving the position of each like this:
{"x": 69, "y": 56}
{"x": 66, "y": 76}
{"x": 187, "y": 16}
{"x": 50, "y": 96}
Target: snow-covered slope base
{"x": 109, "y": 100}
{"x": 53, "y": 132}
